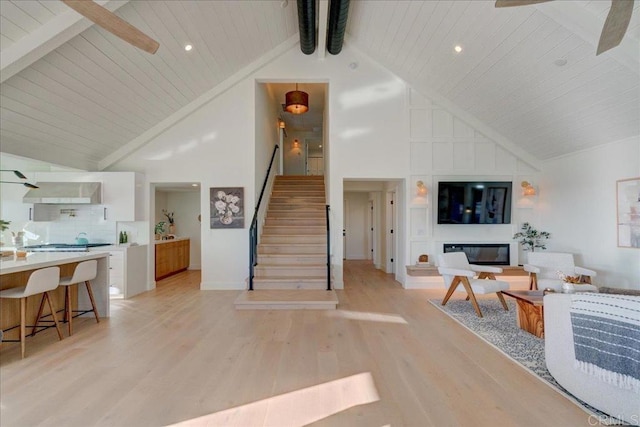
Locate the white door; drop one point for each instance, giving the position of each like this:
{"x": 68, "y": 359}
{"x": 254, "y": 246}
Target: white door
{"x": 315, "y": 166}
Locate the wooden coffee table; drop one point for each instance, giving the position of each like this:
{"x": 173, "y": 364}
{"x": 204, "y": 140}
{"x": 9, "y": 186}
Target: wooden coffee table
{"x": 530, "y": 311}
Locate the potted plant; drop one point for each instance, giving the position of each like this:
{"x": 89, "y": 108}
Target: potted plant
{"x": 530, "y": 238}
{"x": 159, "y": 230}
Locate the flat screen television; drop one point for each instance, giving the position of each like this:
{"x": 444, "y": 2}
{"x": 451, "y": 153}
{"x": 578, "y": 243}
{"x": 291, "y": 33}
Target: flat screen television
{"x": 474, "y": 202}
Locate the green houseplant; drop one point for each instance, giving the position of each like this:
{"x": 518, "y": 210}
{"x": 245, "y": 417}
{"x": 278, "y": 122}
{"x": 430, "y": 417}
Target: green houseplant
{"x": 159, "y": 229}
{"x": 530, "y": 238}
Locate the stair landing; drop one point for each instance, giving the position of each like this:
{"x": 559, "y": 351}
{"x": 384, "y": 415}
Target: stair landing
{"x": 281, "y": 299}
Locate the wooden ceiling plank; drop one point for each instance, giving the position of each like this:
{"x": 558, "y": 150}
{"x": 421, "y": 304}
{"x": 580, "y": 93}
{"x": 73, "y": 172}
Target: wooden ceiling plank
{"x": 102, "y": 80}
{"x": 79, "y": 127}
{"x": 140, "y": 66}
{"x": 41, "y": 86}
{"x": 43, "y": 107}
{"x": 36, "y": 10}
{"x": 45, "y": 39}
{"x": 395, "y": 25}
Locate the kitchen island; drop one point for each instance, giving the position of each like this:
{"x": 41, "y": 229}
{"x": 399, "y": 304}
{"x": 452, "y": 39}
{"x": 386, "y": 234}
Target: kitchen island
{"x": 15, "y": 272}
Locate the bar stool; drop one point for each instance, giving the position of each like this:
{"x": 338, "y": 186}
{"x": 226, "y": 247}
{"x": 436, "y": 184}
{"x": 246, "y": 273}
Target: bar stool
{"x": 84, "y": 272}
{"x": 40, "y": 282}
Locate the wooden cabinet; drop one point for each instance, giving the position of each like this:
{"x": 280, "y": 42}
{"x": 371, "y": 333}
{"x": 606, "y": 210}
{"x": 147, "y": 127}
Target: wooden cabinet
{"x": 171, "y": 257}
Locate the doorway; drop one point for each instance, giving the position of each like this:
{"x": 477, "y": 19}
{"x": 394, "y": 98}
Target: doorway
{"x": 181, "y": 202}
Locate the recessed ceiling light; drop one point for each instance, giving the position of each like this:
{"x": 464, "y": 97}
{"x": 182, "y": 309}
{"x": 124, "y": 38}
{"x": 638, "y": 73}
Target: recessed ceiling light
{"x": 320, "y": 146}
{"x": 560, "y": 62}
{"x": 194, "y": 185}
{"x": 284, "y": 3}
{"x": 353, "y": 65}
{"x": 188, "y": 47}
{"x": 457, "y": 48}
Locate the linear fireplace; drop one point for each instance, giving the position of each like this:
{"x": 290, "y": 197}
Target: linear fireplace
{"x": 482, "y": 253}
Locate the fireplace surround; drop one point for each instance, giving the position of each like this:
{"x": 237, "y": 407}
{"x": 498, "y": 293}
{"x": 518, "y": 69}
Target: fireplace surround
{"x": 482, "y": 253}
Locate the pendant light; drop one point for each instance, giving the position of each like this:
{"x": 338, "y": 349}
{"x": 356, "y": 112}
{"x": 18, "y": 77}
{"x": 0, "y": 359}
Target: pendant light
{"x": 297, "y": 101}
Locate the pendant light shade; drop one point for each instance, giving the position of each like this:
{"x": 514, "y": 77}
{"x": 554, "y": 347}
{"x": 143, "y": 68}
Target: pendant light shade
{"x": 297, "y": 101}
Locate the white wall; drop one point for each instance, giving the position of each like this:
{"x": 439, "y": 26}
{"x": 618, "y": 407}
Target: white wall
{"x": 577, "y": 204}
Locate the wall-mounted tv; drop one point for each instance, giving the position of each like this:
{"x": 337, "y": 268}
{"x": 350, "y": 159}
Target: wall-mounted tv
{"x": 474, "y": 202}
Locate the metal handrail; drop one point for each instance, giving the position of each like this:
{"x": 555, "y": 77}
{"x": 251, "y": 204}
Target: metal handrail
{"x": 253, "y": 230}
{"x": 328, "y": 251}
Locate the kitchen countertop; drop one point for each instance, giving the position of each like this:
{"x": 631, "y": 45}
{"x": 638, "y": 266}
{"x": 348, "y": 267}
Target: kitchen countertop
{"x": 35, "y": 260}
{"x": 177, "y": 239}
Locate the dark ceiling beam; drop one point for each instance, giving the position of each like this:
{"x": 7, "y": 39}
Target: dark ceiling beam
{"x": 338, "y": 14}
{"x": 307, "y": 25}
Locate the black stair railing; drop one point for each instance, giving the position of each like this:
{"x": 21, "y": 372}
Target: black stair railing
{"x": 253, "y": 231}
{"x": 328, "y": 251}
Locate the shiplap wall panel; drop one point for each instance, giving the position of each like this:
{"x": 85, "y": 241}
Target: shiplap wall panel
{"x": 442, "y": 123}
{"x": 421, "y": 158}
{"x": 463, "y": 155}
{"x": 420, "y": 124}
{"x": 485, "y": 155}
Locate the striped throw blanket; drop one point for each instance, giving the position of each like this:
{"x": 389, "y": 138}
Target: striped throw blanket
{"x": 606, "y": 333}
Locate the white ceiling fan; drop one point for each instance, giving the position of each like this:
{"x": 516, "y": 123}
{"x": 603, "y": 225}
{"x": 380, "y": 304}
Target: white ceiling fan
{"x": 114, "y": 24}
{"x": 615, "y": 25}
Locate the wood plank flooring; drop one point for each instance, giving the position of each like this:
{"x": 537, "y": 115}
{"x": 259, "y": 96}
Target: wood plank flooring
{"x": 177, "y": 353}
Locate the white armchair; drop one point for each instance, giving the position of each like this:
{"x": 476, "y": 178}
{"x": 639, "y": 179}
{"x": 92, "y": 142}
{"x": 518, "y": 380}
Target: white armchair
{"x": 543, "y": 270}
{"x": 456, "y": 271}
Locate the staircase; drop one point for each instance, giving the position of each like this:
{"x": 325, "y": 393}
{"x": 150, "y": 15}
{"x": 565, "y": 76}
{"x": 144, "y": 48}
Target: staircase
{"x": 292, "y": 253}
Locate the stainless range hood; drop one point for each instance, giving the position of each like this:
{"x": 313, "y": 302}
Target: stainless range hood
{"x": 65, "y": 193}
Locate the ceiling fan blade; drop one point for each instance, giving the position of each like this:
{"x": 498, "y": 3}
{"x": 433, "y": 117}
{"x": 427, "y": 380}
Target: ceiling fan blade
{"x": 616, "y": 25}
{"x": 509, "y": 3}
{"x": 114, "y": 24}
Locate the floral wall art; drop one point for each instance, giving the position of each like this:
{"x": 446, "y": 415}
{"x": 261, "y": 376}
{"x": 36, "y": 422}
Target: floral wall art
{"x": 227, "y": 207}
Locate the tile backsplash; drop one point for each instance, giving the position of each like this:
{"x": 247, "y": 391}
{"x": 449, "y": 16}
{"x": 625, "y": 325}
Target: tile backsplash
{"x": 67, "y": 221}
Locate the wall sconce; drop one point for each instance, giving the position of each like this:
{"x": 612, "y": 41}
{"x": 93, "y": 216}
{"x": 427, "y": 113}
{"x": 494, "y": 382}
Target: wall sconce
{"x": 527, "y": 189}
{"x": 422, "y": 189}
{"x": 296, "y": 143}
{"x": 281, "y": 124}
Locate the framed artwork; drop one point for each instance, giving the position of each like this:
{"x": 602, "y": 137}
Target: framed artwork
{"x": 227, "y": 207}
{"x": 628, "y": 212}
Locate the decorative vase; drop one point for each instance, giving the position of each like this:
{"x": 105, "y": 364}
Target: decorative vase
{"x": 158, "y": 236}
{"x": 172, "y": 229}
{"x": 568, "y": 288}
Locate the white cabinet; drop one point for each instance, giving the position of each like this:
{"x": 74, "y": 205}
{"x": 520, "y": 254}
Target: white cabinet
{"x": 127, "y": 269}
{"x": 116, "y": 272}
{"x": 122, "y": 192}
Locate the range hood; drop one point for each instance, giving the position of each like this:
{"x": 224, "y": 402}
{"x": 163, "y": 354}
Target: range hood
{"x": 65, "y": 193}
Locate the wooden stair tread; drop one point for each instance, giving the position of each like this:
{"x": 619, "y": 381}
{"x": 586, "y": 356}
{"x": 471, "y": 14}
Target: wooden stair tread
{"x": 277, "y": 299}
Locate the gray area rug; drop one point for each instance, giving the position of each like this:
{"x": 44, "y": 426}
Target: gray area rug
{"x": 498, "y": 328}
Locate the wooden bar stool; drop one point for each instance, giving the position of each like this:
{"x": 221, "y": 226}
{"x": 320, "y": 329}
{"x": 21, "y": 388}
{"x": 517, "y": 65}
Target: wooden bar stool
{"x": 40, "y": 282}
{"x": 84, "y": 272}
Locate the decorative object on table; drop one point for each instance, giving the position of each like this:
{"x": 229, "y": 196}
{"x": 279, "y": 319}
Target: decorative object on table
{"x": 81, "y": 239}
{"x": 548, "y": 291}
{"x": 4, "y": 225}
{"x": 227, "y": 207}
{"x": 423, "y": 259}
{"x": 123, "y": 238}
{"x": 17, "y": 239}
{"x": 628, "y": 212}
{"x": 530, "y": 238}
{"x": 172, "y": 225}
{"x": 159, "y": 229}
{"x": 549, "y": 270}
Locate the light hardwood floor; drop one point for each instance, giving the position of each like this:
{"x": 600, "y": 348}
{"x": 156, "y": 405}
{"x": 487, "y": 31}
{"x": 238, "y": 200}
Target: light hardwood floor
{"x": 177, "y": 353}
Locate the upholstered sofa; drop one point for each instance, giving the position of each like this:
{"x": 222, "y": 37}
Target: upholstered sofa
{"x": 610, "y": 393}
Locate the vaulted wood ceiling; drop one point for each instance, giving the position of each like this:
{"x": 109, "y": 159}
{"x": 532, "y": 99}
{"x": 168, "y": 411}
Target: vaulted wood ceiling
{"x": 72, "y": 93}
